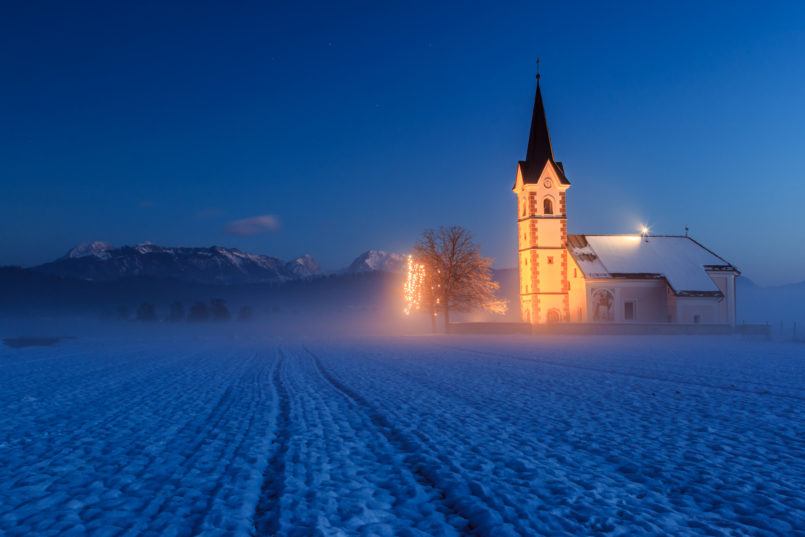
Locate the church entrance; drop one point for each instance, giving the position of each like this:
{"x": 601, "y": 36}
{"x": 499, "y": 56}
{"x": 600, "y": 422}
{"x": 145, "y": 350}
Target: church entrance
{"x": 554, "y": 316}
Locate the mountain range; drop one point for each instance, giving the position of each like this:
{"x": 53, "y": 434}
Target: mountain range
{"x": 99, "y": 261}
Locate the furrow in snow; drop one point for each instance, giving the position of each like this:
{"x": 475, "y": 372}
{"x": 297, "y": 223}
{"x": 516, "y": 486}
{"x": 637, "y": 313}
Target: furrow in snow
{"x": 429, "y": 472}
{"x": 266, "y": 517}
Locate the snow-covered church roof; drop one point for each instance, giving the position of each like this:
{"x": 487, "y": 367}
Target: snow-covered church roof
{"x": 682, "y": 261}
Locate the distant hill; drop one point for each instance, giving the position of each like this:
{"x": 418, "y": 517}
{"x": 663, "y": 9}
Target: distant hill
{"x": 214, "y": 265}
{"x": 101, "y": 279}
{"x": 374, "y": 260}
{"x": 758, "y": 304}
{"x": 99, "y": 261}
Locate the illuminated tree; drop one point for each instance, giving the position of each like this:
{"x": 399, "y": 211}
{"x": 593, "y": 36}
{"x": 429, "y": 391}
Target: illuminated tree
{"x": 418, "y": 290}
{"x": 457, "y": 277}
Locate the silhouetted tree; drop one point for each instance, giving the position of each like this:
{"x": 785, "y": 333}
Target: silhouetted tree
{"x": 219, "y": 310}
{"x": 457, "y": 278}
{"x": 176, "y": 312}
{"x": 246, "y": 313}
{"x": 199, "y": 312}
{"x": 146, "y": 312}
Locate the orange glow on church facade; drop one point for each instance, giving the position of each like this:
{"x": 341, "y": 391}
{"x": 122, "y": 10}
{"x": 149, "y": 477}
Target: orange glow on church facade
{"x": 606, "y": 278}
{"x": 545, "y": 266}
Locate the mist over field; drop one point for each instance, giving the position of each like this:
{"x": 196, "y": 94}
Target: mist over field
{"x": 361, "y": 303}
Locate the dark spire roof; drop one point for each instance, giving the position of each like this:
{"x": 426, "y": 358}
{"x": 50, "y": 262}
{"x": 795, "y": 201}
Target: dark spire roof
{"x": 539, "y": 140}
{"x": 539, "y": 149}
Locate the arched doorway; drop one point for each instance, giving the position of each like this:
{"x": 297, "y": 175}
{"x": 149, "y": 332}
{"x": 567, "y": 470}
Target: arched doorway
{"x": 554, "y": 316}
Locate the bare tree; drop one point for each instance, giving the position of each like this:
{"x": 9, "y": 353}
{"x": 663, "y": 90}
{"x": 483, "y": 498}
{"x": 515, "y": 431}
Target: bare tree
{"x": 457, "y": 278}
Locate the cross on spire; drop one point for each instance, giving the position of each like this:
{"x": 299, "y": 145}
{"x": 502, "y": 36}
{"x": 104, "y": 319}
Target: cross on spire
{"x": 538, "y": 75}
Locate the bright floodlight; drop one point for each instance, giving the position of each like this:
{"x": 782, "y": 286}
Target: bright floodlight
{"x": 644, "y": 230}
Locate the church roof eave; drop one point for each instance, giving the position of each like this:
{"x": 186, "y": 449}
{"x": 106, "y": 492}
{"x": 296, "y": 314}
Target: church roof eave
{"x": 681, "y": 261}
{"x": 531, "y": 172}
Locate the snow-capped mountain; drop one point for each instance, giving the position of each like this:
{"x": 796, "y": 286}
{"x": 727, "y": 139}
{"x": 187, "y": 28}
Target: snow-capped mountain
{"x": 101, "y": 262}
{"x": 303, "y": 267}
{"x": 97, "y": 249}
{"x": 377, "y": 260}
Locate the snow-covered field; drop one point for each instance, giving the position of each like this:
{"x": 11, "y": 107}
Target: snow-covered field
{"x": 403, "y": 436}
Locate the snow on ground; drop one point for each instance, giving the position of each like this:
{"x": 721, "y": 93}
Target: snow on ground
{"x": 403, "y": 436}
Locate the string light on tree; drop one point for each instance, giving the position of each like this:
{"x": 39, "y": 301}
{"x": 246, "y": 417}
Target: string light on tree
{"x": 412, "y": 288}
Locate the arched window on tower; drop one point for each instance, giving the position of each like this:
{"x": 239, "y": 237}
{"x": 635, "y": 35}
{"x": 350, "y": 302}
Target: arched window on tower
{"x": 547, "y": 206}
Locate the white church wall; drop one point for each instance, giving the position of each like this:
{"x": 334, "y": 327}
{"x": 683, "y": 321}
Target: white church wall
{"x": 607, "y": 298}
{"x": 726, "y": 307}
{"x": 670, "y": 305}
{"x": 577, "y": 292}
{"x": 648, "y": 299}
{"x": 698, "y": 310}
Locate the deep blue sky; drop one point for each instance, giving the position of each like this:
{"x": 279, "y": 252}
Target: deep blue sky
{"x": 359, "y": 126}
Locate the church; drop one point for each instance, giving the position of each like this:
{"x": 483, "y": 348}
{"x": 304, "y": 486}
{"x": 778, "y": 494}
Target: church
{"x": 639, "y": 278}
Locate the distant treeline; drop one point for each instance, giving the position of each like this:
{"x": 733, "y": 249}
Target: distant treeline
{"x": 214, "y": 310}
{"x": 23, "y": 291}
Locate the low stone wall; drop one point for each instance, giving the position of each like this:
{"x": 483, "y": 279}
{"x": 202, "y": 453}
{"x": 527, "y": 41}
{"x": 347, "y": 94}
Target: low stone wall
{"x": 490, "y": 328}
{"x": 607, "y": 329}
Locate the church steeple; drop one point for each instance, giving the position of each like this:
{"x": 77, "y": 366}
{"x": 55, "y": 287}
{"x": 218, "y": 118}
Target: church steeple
{"x": 539, "y": 150}
{"x": 539, "y": 139}
{"x": 541, "y": 190}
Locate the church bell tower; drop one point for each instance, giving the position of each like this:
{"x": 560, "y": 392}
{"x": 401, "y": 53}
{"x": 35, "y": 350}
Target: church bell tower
{"x": 541, "y": 188}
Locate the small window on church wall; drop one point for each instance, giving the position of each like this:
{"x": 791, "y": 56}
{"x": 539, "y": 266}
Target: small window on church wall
{"x": 550, "y": 260}
{"x": 629, "y": 310}
{"x": 547, "y": 206}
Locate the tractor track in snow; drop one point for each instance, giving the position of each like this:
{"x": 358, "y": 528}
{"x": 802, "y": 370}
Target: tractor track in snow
{"x": 425, "y": 473}
{"x": 202, "y": 432}
{"x": 267, "y": 511}
{"x": 226, "y": 462}
{"x": 489, "y": 401}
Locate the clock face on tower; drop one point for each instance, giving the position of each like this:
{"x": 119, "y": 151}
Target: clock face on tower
{"x": 547, "y": 182}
